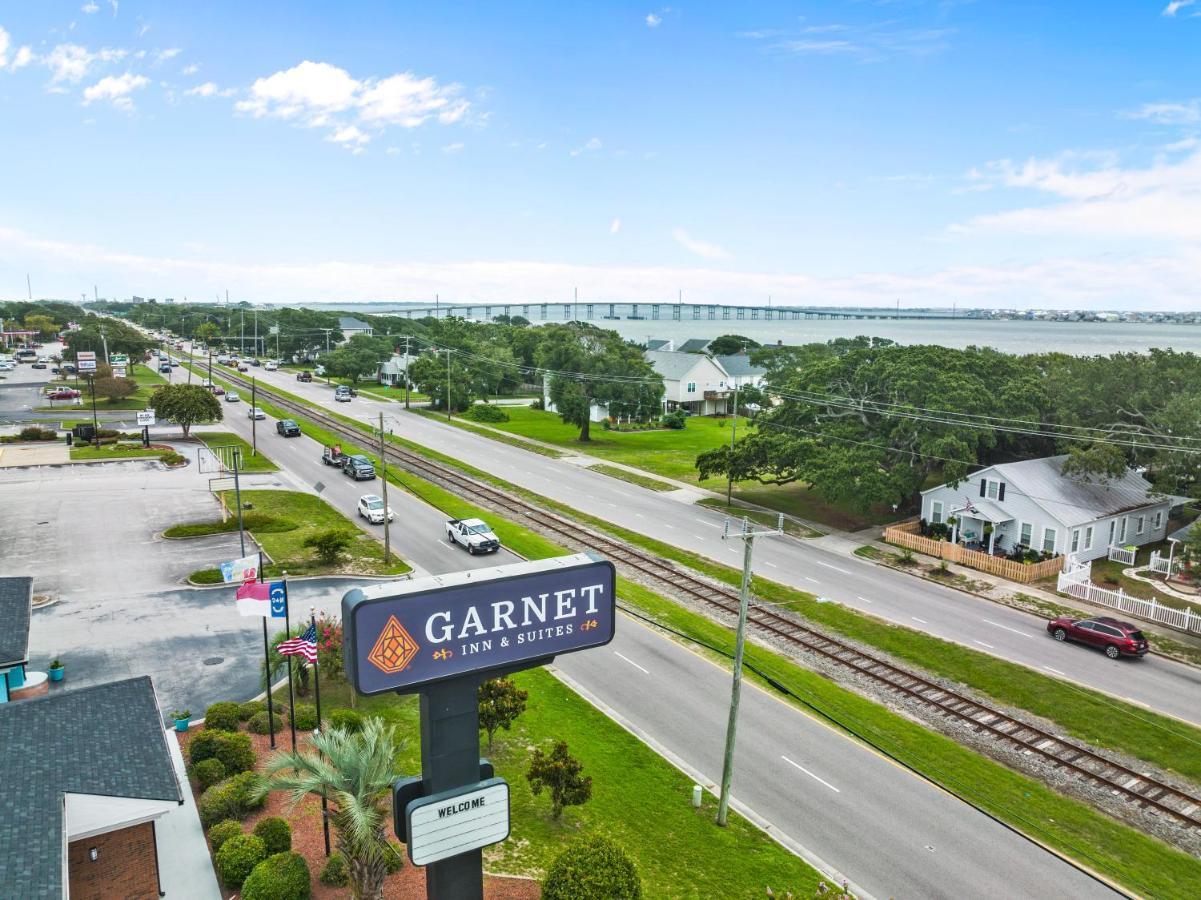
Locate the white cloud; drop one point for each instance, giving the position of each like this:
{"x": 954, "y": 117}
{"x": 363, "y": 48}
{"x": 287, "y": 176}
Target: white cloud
{"x": 1187, "y": 112}
{"x": 116, "y": 89}
{"x": 871, "y": 42}
{"x": 349, "y": 137}
{"x": 1176, "y": 5}
{"x": 70, "y": 62}
{"x": 592, "y": 144}
{"x": 209, "y": 89}
{"x": 700, "y": 248}
{"x": 89, "y": 8}
{"x": 23, "y": 58}
{"x": 113, "y": 4}
{"x": 318, "y": 95}
{"x": 653, "y": 21}
{"x": 4, "y": 44}
{"x": 615, "y": 226}
{"x": 191, "y": 69}
{"x": 161, "y": 56}
{"x": 453, "y": 148}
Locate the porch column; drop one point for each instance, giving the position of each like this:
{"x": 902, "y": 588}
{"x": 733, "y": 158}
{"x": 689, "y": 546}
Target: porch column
{"x": 992, "y": 540}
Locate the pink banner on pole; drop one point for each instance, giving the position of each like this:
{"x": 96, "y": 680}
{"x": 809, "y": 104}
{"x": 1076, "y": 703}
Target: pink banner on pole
{"x": 254, "y": 599}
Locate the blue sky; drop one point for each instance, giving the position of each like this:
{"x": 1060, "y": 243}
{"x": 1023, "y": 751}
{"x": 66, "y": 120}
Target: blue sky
{"x": 997, "y": 152}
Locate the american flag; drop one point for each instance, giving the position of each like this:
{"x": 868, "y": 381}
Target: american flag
{"x": 305, "y": 645}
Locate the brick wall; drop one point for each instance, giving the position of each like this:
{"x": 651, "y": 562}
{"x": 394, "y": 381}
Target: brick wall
{"x": 125, "y": 869}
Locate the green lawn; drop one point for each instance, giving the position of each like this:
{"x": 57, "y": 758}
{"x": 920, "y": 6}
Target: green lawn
{"x": 653, "y": 484}
{"x": 767, "y": 519}
{"x": 282, "y": 521}
{"x": 147, "y": 379}
{"x": 1130, "y": 857}
{"x": 1110, "y": 575}
{"x": 116, "y": 451}
{"x": 250, "y": 462}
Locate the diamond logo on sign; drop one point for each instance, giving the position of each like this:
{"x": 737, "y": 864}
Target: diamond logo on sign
{"x": 394, "y": 649}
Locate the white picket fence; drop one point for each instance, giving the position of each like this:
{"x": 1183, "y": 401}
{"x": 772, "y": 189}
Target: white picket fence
{"x": 1076, "y": 583}
{"x": 1162, "y": 564}
{"x": 1122, "y": 555}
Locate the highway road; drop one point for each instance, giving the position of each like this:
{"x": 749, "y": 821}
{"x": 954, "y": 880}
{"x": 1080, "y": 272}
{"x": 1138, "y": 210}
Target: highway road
{"x": 1153, "y": 682}
{"x": 889, "y": 832}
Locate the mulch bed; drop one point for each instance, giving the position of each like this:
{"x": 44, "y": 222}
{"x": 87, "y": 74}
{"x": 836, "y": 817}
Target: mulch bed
{"x": 309, "y": 842}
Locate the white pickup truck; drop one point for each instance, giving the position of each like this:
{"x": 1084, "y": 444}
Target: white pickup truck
{"x": 474, "y": 534}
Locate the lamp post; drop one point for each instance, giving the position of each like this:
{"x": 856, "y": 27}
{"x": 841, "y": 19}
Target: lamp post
{"x": 95, "y": 421}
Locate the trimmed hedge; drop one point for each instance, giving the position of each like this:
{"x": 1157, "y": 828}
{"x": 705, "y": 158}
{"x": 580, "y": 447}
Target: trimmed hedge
{"x": 249, "y": 708}
{"x": 485, "y": 412}
{"x": 237, "y": 858}
{"x": 592, "y": 868}
{"x": 347, "y": 719}
{"x": 232, "y": 798}
{"x": 208, "y": 772}
{"x": 306, "y": 717}
{"x": 259, "y": 723}
{"x": 276, "y": 834}
{"x": 222, "y": 716}
{"x": 335, "y": 873}
{"x": 282, "y": 876}
{"x": 232, "y": 748}
{"x": 223, "y": 831}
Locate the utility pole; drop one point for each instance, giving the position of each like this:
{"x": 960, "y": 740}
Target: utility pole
{"x": 104, "y": 341}
{"x": 28, "y": 285}
{"x": 733, "y": 435}
{"x": 727, "y": 770}
{"x": 254, "y": 421}
{"x": 256, "y": 333}
{"x": 406, "y": 371}
{"x": 383, "y": 463}
{"x": 447, "y": 384}
{"x": 242, "y": 339}
{"x": 437, "y": 306}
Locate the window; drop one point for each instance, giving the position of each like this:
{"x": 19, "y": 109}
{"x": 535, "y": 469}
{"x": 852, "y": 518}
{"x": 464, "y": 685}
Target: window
{"x": 1075, "y": 540}
{"x": 1027, "y": 533}
{"x": 691, "y": 387}
{"x": 993, "y": 489}
{"x": 1049, "y": 540}
{"x": 936, "y": 512}
{"x": 1122, "y": 531}
{"x": 1112, "y": 523}
{"x": 1138, "y": 524}
{"x": 1158, "y": 520}
{"x": 1088, "y": 538}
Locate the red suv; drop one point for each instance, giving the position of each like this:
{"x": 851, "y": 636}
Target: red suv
{"x": 1114, "y": 637}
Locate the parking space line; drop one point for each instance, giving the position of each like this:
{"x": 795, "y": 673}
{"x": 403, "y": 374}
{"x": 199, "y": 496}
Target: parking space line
{"x": 810, "y": 774}
{"x": 631, "y": 662}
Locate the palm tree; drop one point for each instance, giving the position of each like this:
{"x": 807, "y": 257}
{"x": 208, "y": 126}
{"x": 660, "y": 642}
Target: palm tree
{"x": 355, "y": 771}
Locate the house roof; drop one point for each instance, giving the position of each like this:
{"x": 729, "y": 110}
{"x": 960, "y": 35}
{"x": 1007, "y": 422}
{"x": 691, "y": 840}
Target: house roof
{"x": 345, "y": 322}
{"x": 1181, "y": 533}
{"x": 674, "y": 365}
{"x": 738, "y": 365}
{"x": 16, "y": 601}
{"x": 657, "y": 344}
{"x": 981, "y": 509}
{"x": 1075, "y": 501}
{"x": 694, "y": 345}
{"x": 105, "y": 740}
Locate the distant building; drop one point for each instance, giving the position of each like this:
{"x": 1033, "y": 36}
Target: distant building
{"x": 694, "y": 345}
{"x": 692, "y": 381}
{"x": 351, "y": 326}
{"x": 393, "y": 371}
{"x": 740, "y": 371}
{"x": 656, "y": 344}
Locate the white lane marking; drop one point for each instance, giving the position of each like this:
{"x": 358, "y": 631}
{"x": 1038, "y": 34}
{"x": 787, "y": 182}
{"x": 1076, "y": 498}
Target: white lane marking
{"x": 632, "y": 663}
{"x": 1006, "y": 627}
{"x": 916, "y": 619}
{"x": 669, "y": 527}
{"x": 773, "y": 565}
{"x": 982, "y": 644}
{"x": 810, "y": 774}
{"x": 835, "y": 568}
{"x": 707, "y": 522}
{"x": 1056, "y": 671}
{"x": 814, "y": 580}
{"x": 639, "y": 516}
{"x": 698, "y": 537}
{"x": 864, "y": 599}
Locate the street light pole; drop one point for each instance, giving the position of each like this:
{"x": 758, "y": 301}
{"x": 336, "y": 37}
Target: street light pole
{"x": 383, "y": 462}
{"x": 733, "y": 434}
{"x": 254, "y": 420}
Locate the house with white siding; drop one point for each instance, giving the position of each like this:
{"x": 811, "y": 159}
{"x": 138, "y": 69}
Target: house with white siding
{"x": 692, "y": 381}
{"x": 1032, "y": 504}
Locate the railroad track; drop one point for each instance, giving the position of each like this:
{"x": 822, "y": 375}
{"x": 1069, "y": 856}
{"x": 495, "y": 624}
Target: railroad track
{"x": 1136, "y": 787}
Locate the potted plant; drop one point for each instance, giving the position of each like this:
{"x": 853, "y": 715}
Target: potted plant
{"x": 56, "y": 670}
{"x": 182, "y": 717}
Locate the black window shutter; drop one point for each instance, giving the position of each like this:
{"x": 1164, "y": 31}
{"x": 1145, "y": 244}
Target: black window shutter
{"x": 1001, "y": 492}
{"x": 983, "y": 486}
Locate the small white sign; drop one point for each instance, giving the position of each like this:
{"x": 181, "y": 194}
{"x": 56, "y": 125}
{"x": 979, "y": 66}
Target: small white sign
{"x": 118, "y": 371}
{"x": 458, "y": 821}
{"x": 145, "y": 417}
{"x": 85, "y": 361}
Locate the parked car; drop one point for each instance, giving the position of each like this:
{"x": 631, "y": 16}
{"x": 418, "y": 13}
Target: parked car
{"x": 306, "y": 375}
{"x": 474, "y": 534}
{"x": 288, "y": 428}
{"x": 1115, "y": 637}
{"x": 242, "y": 367}
{"x": 40, "y": 365}
{"x": 232, "y": 397}
{"x": 371, "y": 508}
{"x": 6, "y": 366}
{"x": 255, "y": 412}
{"x": 358, "y": 467}
{"x": 64, "y": 394}
{"x": 68, "y": 369}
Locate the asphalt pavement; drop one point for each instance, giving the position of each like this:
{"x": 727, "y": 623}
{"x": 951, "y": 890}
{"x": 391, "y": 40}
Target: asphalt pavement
{"x": 1154, "y": 682}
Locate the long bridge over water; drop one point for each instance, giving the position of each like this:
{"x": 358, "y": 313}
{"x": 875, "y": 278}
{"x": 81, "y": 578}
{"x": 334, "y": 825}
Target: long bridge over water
{"x": 580, "y": 311}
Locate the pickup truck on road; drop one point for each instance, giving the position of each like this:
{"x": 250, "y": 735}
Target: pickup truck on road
{"x": 359, "y": 467}
{"x": 474, "y": 534}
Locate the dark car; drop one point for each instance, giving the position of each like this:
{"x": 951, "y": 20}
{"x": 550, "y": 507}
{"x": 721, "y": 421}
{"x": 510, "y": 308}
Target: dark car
{"x": 1115, "y": 637}
{"x": 288, "y": 428}
{"x": 359, "y": 467}
{"x": 306, "y": 375}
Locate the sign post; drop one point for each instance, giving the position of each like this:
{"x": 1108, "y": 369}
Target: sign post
{"x": 442, "y": 636}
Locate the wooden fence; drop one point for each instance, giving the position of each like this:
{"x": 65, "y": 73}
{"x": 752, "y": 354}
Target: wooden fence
{"x": 906, "y": 535}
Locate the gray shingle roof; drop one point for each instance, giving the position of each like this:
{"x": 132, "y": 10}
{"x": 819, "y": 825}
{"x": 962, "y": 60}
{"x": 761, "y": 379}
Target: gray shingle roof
{"x": 16, "y": 597}
{"x": 738, "y": 365}
{"x": 674, "y": 366}
{"x": 345, "y": 322}
{"x": 106, "y": 739}
{"x": 1074, "y": 501}
{"x": 694, "y": 345}
{"x": 657, "y": 344}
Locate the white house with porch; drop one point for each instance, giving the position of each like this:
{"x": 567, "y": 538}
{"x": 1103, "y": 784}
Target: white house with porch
{"x": 692, "y": 381}
{"x": 1032, "y": 504}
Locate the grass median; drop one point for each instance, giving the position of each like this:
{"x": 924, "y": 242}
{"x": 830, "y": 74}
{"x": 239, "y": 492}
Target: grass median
{"x": 250, "y": 462}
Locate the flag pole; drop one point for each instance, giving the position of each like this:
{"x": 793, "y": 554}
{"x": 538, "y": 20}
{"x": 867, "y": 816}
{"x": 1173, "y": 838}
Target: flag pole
{"x": 267, "y": 666}
{"x": 317, "y": 689}
{"x": 291, "y": 691}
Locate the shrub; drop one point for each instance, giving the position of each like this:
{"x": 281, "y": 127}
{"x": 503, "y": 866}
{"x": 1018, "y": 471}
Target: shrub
{"x": 36, "y": 433}
{"x": 335, "y": 873}
{"x": 346, "y": 719}
{"x": 484, "y": 412}
{"x": 246, "y": 787}
{"x": 248, "y": 709}
{"x": 538, "y": 404}
{"x": 592, "y": 868}
{"x": 260, "y": 723}
{"x": 236, "y": 752}
{"x": 276, "y": 834}
{"x": 222, "y": 716}
{"x": 222, "y": 832}
{"x": 560, "y": 774}
{"x": 232, "y": 798}
{"x": 306, "y": 717}
{"x": 329, "y": 544}
{"x": 394, "y": 857}
{"x": 281, "y": 876}
{"x": 675, "y": 419}
{"x": 237, "y": 858}
{"x": 204, "y": 746}
{"x": 173, "y": 459}
{"x": 208, "y": 772}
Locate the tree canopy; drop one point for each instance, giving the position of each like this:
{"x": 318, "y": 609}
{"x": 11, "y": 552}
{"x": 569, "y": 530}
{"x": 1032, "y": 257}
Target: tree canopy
{"x": 185, "y": 405}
